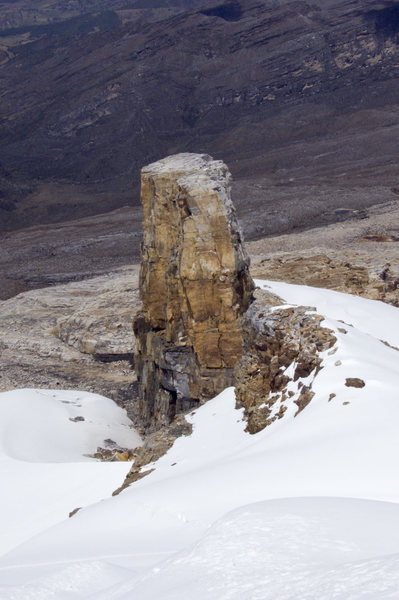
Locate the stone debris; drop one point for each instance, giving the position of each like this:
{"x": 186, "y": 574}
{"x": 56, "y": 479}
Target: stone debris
{"x": 155, "y": 445}
{"x": 113, "y": 455}
{"x": 112, "y": 452}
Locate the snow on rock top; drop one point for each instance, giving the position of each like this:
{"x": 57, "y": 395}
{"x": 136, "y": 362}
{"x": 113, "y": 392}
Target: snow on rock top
{"x": 370, "y": 316}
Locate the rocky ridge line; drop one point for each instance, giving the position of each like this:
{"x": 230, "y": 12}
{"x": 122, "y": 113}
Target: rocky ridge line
{"x": 281, "y": 346}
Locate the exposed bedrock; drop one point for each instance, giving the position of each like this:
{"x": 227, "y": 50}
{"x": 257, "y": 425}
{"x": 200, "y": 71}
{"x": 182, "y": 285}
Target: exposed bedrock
{"x": 281, "y": 358}
{"x": 194, "y": 286}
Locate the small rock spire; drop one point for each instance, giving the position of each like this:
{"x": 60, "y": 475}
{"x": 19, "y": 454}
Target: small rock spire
{"x": 194, "y": 286}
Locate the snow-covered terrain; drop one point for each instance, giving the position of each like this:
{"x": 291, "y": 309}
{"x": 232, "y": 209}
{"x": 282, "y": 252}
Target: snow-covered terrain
{"x": 306, "y": 509}
{"x": 44, "y": 435}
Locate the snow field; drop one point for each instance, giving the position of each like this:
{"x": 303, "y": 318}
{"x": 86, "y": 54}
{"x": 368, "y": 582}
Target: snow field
{"x": 44, "y": 471}
{"x": 307, "y": 509}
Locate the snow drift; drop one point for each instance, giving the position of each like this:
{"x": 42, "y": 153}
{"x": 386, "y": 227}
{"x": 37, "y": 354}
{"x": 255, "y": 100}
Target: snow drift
{"x": 307, "y": 508}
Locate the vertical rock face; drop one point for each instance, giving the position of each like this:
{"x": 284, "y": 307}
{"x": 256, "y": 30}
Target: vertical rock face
{"x": 194, "y": 286}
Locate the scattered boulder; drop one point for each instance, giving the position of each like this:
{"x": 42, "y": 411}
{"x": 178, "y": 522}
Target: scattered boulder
{"x": 354, "y": 382}
{"x": 113, "y": 454}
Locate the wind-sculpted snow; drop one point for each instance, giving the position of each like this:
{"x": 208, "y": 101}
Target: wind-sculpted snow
{"x": 44, "y": 435}
{"x": 286, "y": 549}
{"x": 307, "y": 508}
{"x": 60, "y": 426}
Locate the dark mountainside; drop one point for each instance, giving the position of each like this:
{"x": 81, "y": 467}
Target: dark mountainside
{"x": 300, "y": 99}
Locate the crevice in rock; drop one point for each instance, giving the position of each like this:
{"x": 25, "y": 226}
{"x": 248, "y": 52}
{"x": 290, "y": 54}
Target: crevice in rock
{"x": 109, "y": 357}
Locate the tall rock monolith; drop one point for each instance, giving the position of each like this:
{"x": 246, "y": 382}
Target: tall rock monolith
{"x": 194, "y": 286}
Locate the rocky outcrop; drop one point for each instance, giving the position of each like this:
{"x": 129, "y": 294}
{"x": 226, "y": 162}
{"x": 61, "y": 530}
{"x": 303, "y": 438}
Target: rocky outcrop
{"x": 280, "y": 361}
{"x": 101, "y": 325}
{"x": 194, "y": 286}
{"x": 73, "y": 336}
{"x": 155, "y": 445}
{"x": 323, "y": 271}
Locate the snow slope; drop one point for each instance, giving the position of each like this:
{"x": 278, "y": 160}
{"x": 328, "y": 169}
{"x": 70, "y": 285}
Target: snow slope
{"x": 43, "y": 470}
{"x": 306, "y": 509}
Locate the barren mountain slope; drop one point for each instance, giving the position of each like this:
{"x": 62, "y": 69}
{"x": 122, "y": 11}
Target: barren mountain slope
{"x": 299, "y": 99}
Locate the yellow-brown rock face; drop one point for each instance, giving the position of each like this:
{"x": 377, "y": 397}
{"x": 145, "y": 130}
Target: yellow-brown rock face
{"x": 194, "y": 286}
